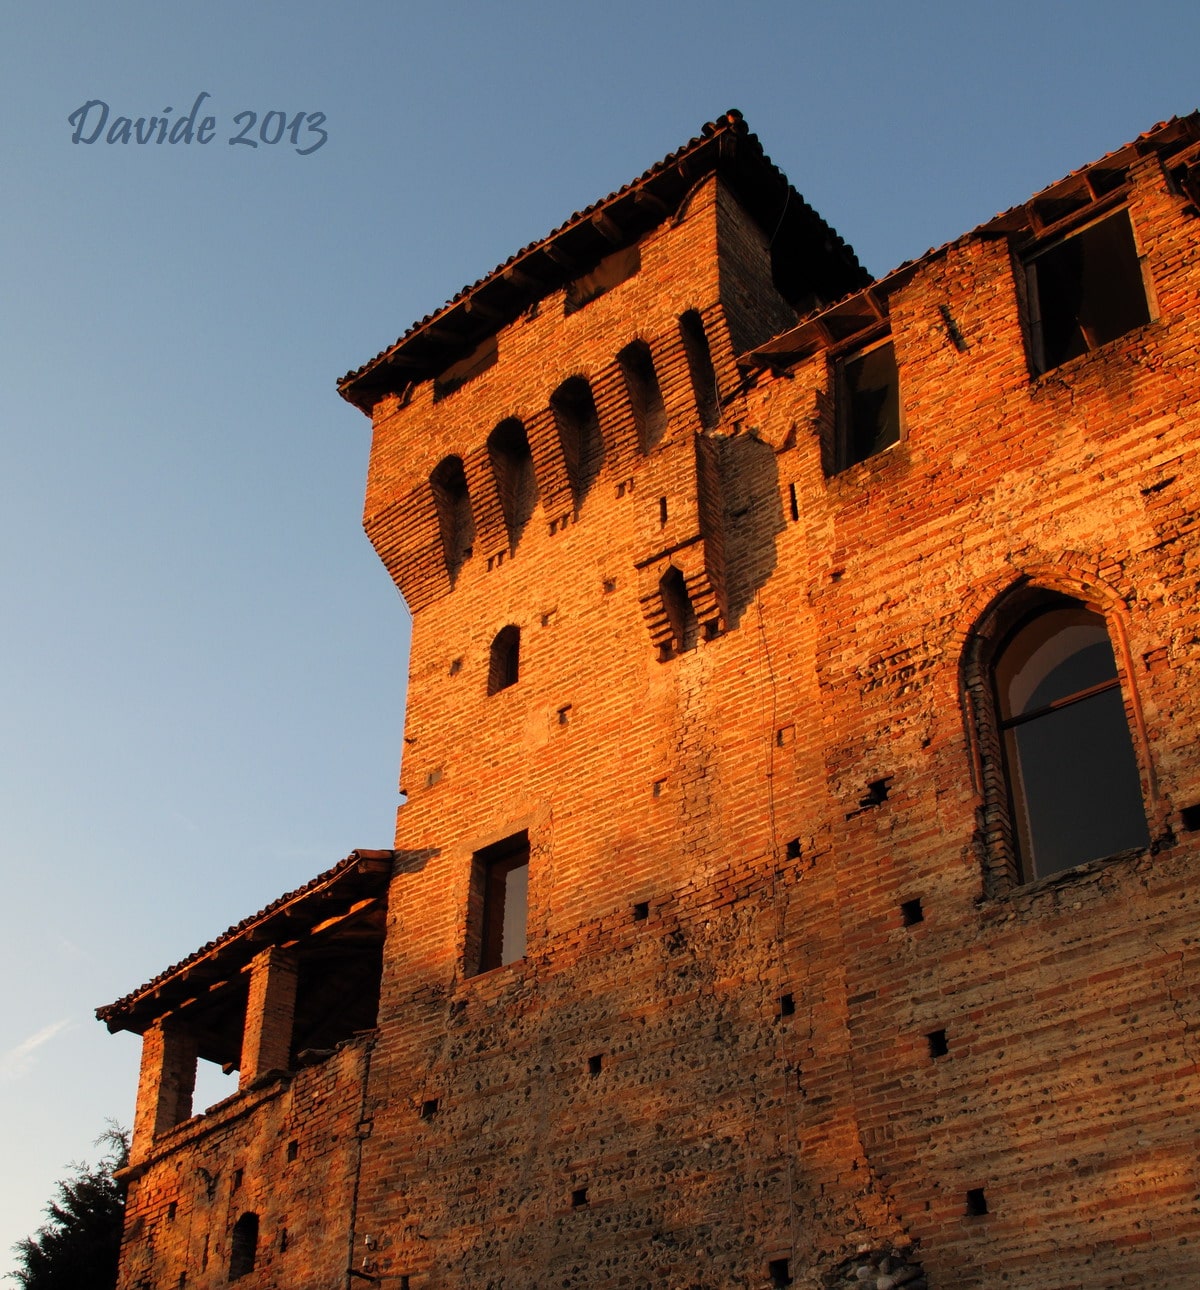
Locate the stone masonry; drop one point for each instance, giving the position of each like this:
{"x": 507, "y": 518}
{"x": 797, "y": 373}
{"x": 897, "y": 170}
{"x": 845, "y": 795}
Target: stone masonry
{"x": 796, "y": 883}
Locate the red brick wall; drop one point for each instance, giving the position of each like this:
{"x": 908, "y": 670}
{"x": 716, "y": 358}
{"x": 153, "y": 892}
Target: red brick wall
{"x": 718, "y": 1133}
{"x": 765, "y": 1088}
{"x": 287, "y": 1150}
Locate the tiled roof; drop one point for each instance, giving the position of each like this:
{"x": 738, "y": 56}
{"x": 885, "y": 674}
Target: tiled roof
{"x": 360, "y": 869}
{"x": 724, "y": 145}
{"x": 813, "y": 331}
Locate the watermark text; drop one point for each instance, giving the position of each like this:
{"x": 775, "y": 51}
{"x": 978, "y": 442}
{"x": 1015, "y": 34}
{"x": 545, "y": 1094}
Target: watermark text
{"x": 94, "y": 122}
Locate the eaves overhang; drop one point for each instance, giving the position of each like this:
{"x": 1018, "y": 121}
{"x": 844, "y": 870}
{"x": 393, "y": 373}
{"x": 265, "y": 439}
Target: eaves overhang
{"x": 352, "y": 892}
{"x": 1083, "y": 194}
{"x": 817, "y": 256}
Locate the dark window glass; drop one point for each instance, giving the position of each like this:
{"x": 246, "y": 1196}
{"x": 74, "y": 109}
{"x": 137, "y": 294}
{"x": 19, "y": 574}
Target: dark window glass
{"x": 1072, "y": 775}
{"x": 869, "y": 403}
{"x": 1086, "y": 290}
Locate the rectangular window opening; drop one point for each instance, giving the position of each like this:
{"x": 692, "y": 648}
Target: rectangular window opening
{"x": 939, "y": 1045}
{"x": 1085, "y": 290}
{"x": 868, "y": 397}
{"x": 780, "y": 1272}
{"x": 911, "y": 912}
{"x": 500, "y": 902}
{"x": 976, "y": 1202}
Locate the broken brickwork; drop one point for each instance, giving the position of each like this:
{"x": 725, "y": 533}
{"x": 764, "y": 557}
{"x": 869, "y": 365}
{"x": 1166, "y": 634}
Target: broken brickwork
{"x": 796, "y": 882}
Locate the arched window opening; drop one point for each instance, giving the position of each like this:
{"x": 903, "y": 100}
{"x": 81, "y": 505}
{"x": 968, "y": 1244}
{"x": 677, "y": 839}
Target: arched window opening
{"x": 516, "y": 483}
{"x": 504, "y": 664}
{"x": 645, "y": 395}
{"x": 685, "y": 629}
{"x": 700, "y": 366}
{"x": 1073, "y": 783}
{"x": 243, "y": 1247}
{"x": 578, "y": 425}
{"x": 456, "y": 522}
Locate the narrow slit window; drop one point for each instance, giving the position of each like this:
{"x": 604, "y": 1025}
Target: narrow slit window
{"x": 681, "y": 615}
{"x": 1085, "y": 290}
{"x": 868, "y": 403}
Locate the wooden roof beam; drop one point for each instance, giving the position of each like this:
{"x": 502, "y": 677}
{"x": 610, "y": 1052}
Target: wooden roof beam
{"x": 609, "y": 229}
{"x": 651, "y": 202}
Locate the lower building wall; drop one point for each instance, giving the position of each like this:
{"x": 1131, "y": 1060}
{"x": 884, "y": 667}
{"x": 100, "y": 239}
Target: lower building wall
{"x": 736, "y": 1084}
{"x": 658, "y": 1102}
{"x": 285, "y": 1152}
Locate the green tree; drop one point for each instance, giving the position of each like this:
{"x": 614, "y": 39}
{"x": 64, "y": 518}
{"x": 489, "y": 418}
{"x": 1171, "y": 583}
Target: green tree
{"x": 78, "y": 1248}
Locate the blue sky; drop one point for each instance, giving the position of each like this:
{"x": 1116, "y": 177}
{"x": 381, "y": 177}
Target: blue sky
{"x": 204, "y": 664}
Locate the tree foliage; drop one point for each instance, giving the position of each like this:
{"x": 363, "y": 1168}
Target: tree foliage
{"x": 78, "y": 1248}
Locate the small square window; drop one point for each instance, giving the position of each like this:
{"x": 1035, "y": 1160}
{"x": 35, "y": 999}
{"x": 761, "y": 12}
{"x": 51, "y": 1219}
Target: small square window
{"x": 868, "y": 398}
{"x": 912, "y": 912}
{"x": 1084, "y": 291}
{"x": 499, "y": 904}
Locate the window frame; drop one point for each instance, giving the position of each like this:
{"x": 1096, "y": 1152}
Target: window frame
{"x": 1052, "y": 241}
{"x": 492, "y": 934}
{"x": 845, "y": 454}
{"x": 998, "y": 843}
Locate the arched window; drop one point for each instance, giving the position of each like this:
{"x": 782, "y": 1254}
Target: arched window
{"x": 448, "y": 483}
{"x": 243, "y": 1247}
{"x": 516, "y": 484}
{"x": 1072, "y": 777}
{"x": 578, "y": 425}
{"x": 645, "y": 395}
{"x": 700, "y": 366}
{"x": 504, "y": 664}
